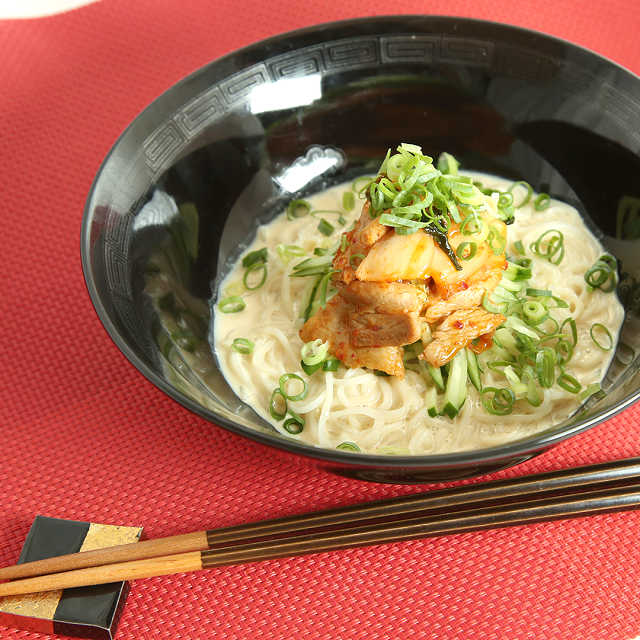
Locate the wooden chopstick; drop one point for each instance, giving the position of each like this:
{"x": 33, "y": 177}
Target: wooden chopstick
{"x": 495, "y": 493}
{"x": 476, "y": 519}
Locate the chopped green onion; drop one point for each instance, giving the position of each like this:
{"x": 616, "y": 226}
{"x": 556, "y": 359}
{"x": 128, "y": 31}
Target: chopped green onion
{"x": 448, "y": 164}
{"x": 255, "y": 257}
{"x": 273, "y": 405}
{"x": 339, "y": 217}
{"x": 356, "y": 255}
{"x": 592, "y": 389}
{"x": 500, "y": 241}
{"x": 545, "y": 363}
{"x": 532, "y": 396}
{"x": 549, "y": 248}
{"x": 331, "y": 364}
{"x": 602, "y": 272}
{"x": 516, "y": 271}
{"x": 535, "y": 312}
{"x": 256, "y": 266}
{"x": 564, "y": 352}
{"x": 519, "y": 247}
{"x": 242, "y": 345}
{"x": 314, "y": 352}
{"x": 348, "y": 446}
{"x": 597, "y": 325}
{"x": 295, "y": 424}
{"x": 234, "y": 289}
{"x": 348, "y": 200}
{"x": 472, "y": 225}
{"x": 325, "y": 227}
{"x": 505, "y": 199}
{"x": 501, "y": 404}
{"x": 541, "y": 293}
{"x": 463, "y": 254}
{"x": 527, "y": 197}
{"x": 574, "y": 329}
{"x": 297, "y": 209}
{"x": 323, "y": 286}
{"x": 569, "y": 383}
{"x": 491, "y": 306}
{"x": 361, "y": 183}
{"x": 396, "y": 221}
{"x": 288, "y": 251}
{"x": 284, "y": 378}
{"x": 542, "y": 202}
{"x": 232, "y": 304}
{"x": 310, "y": 369}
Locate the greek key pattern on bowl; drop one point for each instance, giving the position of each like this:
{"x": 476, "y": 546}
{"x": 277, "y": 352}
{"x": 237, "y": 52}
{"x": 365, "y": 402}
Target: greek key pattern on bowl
{"x": 166, "y": 143}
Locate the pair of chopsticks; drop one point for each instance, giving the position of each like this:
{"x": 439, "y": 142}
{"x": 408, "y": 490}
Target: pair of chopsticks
{"x": 569, "y": 493}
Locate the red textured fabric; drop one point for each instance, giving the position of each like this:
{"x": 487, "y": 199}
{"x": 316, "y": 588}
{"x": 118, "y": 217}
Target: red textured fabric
{"x": 84, "y": 436}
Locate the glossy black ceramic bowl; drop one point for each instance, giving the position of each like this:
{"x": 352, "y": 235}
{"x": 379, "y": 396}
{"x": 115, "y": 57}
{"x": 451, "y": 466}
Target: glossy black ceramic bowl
{"x": 196, "y": 169}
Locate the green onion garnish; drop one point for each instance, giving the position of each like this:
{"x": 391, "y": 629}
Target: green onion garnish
{"x": 242, "y": 345}
{"x": 569, "y": 383}
{"x": 501, "y": 403}
{"x": 548, "y": 247}
{"x": 592, "y": 389}
{"x": 348, "y": 200}
{"x": 298, "y": 209}
{"x": 467, "y": 250}
{"x": 496, "y": 241}
{"x": 255, "y": 257}
{"x": 284, "y": 378}
{"x": 545, "y": 363}
{"x": 448, "y": 164}
{"x": 519, "y": 247}
{"x": 256, "y": 266}
{"x": 314, "y": 352}
{"x": 273, "y": 405}
{"x": 528, "y": 195}
{"x": 232, "y": 304}
{"x": 295, "y": 424}
{"x": 601, "y": 327}
{"x": 535, "y": 312}
{"x": 472, "y": 225}
{"x": 541, "y": 293}
{"x": 356, "y": 256}
{"x": 331, "y": 364}
{"x": 288, "y": 251}
{"x": 603, "y": 272}
{"x": 361, "y": 183}
{"x": 574, "y": 329}
{"x": 542, "y": 202}
{"x": 493, "y": 307}
{"x": 348, "y": 446}
{"x": 325, "y": 227}
{"x": 339, "y": 217}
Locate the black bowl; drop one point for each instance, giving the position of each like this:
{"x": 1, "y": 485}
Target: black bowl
{"x": 219, "y": 144}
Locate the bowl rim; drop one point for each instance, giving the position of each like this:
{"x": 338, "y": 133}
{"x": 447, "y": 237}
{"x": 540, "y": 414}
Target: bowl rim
{"x": 344, "y": 459}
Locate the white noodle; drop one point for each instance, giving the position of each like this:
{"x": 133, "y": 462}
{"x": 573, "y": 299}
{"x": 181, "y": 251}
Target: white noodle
{"x": 354, "y": 405}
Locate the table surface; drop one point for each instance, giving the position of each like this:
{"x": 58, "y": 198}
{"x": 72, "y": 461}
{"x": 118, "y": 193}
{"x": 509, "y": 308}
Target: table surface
{"x": 84, "y": 436}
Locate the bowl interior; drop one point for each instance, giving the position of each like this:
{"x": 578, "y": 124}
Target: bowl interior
{"x": 230, "y": 145}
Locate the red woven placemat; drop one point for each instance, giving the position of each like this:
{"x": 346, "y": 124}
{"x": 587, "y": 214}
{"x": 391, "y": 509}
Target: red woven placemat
{"x": 84, "y": 436}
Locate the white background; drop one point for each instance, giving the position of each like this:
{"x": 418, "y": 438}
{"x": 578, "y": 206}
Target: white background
{"x": 37, "y": 8}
